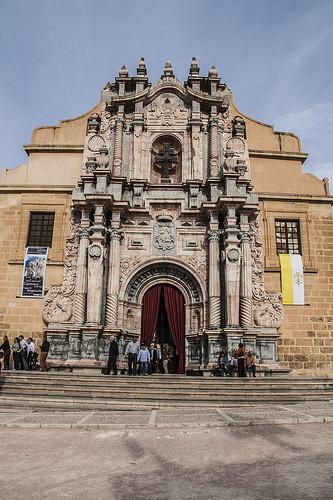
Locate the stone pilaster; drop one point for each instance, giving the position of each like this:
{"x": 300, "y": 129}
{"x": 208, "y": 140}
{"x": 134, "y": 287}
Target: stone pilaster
{"x": 81, "y": 278}
{"x": 214, "y": 288}
{"x": 95, "y": 268}
{"x": 114, "y": 276}
{"x": 232, "y": 268}
{"x": 246, "y": 282}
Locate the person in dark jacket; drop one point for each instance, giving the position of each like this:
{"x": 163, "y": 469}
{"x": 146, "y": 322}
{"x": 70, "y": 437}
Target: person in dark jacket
{"x": 240, "y": 355}
{"x": 113, "y": 354}
{"x": 5, "y": 347}
{"x": 44, "y": 351}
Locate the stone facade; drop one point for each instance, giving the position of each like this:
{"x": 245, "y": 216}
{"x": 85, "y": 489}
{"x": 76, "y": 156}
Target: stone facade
{"x": 168, "y": 183}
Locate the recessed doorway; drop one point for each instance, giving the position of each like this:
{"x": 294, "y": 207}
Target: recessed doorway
{"x": 163, "y": 322}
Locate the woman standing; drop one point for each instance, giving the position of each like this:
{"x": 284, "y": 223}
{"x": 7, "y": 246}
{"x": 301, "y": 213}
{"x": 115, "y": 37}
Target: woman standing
{"x": 17, "y": 349}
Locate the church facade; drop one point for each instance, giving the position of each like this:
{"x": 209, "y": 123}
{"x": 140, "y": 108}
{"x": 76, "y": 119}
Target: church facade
{"x": 167, "y": 210}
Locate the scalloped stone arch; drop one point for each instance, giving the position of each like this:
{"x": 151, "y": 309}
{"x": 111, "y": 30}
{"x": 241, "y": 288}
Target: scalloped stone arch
{"x": 163, "y": 272}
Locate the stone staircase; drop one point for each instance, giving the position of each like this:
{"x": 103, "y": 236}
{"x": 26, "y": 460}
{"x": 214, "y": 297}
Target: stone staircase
{"x": 67, "y": 391}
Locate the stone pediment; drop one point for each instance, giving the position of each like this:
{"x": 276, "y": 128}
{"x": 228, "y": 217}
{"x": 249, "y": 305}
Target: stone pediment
{"x": 167, "y": 109}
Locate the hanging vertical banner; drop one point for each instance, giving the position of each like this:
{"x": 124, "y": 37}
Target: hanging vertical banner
{"x": 292, "y": 279}
{"x": 34, "y": 268}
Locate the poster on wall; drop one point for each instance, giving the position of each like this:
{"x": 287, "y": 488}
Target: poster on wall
{"x": 34, "y": 268}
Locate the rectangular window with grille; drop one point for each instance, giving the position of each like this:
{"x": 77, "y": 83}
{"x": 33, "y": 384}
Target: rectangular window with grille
{"x": 288, "y": 236}
{"x": 40, "y": 229}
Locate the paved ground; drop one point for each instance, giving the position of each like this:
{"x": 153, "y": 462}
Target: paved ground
{"x": 310, "y": 412}
{"x": 237, "y": 463}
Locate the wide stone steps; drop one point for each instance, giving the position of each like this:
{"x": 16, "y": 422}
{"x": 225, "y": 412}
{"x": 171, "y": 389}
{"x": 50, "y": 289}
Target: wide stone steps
{"x": 97, "y": 392}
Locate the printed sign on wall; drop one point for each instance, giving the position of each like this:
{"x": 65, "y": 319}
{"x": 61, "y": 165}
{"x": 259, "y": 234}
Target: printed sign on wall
{"x": 34, "y": 268}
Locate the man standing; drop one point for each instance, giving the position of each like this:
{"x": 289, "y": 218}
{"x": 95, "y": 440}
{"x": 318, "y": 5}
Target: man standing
{"x": 24, "y": 353}
{"x": 131, "y": 351}
{"x": 5, "y": 347}
{"x": 113, "y": 354}
{"x": 45, "y": 347}
{"x": 144, "y": 358}
{"x": 31, "y": 353}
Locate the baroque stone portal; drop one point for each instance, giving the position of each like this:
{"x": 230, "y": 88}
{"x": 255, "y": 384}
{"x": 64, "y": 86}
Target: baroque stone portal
{"x": 164, "y": 196}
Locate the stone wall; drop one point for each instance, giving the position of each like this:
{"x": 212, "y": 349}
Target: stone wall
{"x": 306, "y": 340}
{"x": 24, "y": 315}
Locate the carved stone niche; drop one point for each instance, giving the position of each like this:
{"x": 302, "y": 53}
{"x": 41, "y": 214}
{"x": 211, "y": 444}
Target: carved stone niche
{"x": 166, "y": 160}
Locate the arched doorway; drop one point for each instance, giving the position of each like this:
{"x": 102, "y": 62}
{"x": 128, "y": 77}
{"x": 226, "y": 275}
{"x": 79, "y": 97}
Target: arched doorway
{"x": 163, "y": 322}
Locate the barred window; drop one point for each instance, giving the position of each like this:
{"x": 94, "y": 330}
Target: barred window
{"x": 40, "y": 229}
{"x": 288, "y": 236}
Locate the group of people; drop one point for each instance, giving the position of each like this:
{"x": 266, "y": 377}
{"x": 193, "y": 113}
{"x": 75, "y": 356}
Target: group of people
{"x": 141, "y": 359}
{"x": 242, "y": 362}
{"x": 24, "y": 353}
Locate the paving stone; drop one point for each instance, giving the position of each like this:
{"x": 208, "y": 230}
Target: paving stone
{"x": 52, "y": 418}
{"x": 7, "y": 417}
{"x": 264, "y": 416}
{"x": 128, "y": 418}
{"x": 189, "y": 418}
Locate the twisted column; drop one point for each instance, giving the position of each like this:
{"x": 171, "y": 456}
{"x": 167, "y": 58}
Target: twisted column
{"x": 246, "y": 282}
{"x": 118, "y": 147}
{"x": 114, "y": 276}
{"x": 214, "y": 279}
{"x": 81, "y": 279}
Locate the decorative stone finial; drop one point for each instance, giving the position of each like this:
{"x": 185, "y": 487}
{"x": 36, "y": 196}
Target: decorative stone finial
{"x": 194, "y": 68}
{"x": 168, "y": 69}
{"x": 239, "y": 127}
{"x": 213, "y": 73}
{"x": 123, "y": 72}
{"x": 94, "y": 121}
{"x": 141, "y": 69}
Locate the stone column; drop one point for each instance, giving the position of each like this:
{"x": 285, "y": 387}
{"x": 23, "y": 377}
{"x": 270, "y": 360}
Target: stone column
{"x": 95, "y": 268}
{"x": 214, "y": 289}
{"x": 81, "y": 272}
{"x": 118, "y": 144}
{"x": 213, "y": 157}
{"x": 114, "y": 276}
{"x": 246, "y": 282}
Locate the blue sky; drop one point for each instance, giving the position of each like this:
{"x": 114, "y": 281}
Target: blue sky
{"x": 276, "y": 56}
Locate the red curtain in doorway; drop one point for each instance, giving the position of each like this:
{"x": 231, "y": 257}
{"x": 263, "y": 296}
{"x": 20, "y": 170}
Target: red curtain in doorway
{"x": 174, "y": 305}
{"x": 150, "y": 307}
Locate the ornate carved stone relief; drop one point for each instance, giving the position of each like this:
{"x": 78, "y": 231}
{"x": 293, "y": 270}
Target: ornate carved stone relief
{"x": 107, "y": 124}
{"x": 164, "y": 233}
{"x": 167, "y": 110}
{"x": 58, "y": 300}
{"x": 267, "y": 307}
{"x": 127, "y": 264}
{"x": 95, "y": 143}
{"x": 199, "y": 263}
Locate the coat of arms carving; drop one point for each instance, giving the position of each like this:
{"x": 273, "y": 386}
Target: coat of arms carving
{"x": 164, "y": 233}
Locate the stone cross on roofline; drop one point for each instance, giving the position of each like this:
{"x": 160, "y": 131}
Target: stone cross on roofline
{"x": 166, "y": 157}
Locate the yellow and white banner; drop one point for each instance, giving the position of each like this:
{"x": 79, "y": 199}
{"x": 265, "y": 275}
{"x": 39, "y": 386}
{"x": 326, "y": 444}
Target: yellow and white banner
{"x": 292, "y": 278}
